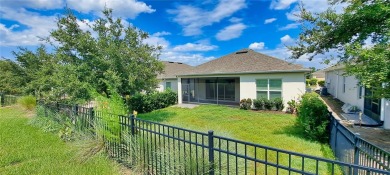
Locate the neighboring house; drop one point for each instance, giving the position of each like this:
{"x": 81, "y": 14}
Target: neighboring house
{"x": 168, "y": 79}
{"x": 348, "y": 90}
{"x": 319, "y": 75}
{"x": 239, "y": 75}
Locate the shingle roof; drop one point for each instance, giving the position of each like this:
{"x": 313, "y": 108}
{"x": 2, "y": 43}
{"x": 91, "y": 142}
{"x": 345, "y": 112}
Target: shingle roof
{"x": 245, "y": 61}
{"x": 173, "y": 68}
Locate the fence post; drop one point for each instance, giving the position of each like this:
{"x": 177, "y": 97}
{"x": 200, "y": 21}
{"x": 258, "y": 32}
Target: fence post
{"x": 132, "y": 124}
{"x": 76, "y": 109}
{"x": 58, "y": 106}
{"x": 211, "y": 151}
{"x": 2, "y": 99}
{"x": 356, "y": 154}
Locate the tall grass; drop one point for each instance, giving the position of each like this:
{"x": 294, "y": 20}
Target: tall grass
{"x": 28, "y": 102}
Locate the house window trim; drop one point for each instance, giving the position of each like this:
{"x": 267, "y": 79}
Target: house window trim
{"x": 268, "y": 87}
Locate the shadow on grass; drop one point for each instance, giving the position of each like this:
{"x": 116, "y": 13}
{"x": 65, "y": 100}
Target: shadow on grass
{"x": 157, "y": 116}
{"x": 292, "y": 130}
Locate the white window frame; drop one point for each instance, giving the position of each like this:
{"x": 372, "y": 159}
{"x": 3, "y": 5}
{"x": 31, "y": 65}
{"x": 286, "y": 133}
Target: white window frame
{"x": 268, "y": 88}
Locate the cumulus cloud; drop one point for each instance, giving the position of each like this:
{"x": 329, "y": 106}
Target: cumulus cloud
{"x": 231, "y": 32}
{"x": 194, "y": 47}
{"x": 289, "y": 26}
{"x": 281, "y": 4}
{"x": 270, "y": 20}
{"x": 188, "y": 58}
{"x": 316, "y": 6}
{"x": 257, "y": 46}
{"x": 235, "y": 20}
{"x": 193, "y": 19}
{"x": 286, "y": 39}
{"x": 36, "y": 26}
{"x": 122, "y": 8}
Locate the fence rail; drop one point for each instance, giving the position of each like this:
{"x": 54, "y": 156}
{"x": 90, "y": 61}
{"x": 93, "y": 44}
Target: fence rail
{"x": 350, "y": 148}
{"x": 7, "y": 100}
{"x": 157, "y": 148}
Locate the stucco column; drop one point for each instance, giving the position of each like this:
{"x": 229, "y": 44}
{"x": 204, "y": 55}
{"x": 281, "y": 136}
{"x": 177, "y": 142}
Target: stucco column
{"x": 179, "y": 93}
{"x": 385, "y": 113}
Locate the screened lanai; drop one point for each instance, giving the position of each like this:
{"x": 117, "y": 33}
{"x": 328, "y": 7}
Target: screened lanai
{"x": 215, "y": 90}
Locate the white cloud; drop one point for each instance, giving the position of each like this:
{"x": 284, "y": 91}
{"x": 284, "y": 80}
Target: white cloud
{"x": 231, "y": 32}
{"x": 156, "y": 40}
{"x": 289, "y": 26}
{"x": 163, "y": 33}
{"x": 270, "y": 20}
{"x": 282, "y": 4}
{"x": 235, "y": 20}
{"x": 121, "y": 8}
{"x": 286, "y": 39}
{"x": 188, "y": 58}
{"x": 193, "y": 19}
{"x": 314, "y": 6}
{"x": 188, "y": 47}
{"x": 257, "y": 46}
{"x": 35, "y": 4}
{"x": 36, "y": 26}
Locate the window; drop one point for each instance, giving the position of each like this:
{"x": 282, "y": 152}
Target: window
{"x": 343, "y": 84}
{"x": 269, "y": 88}
{"x": 168, "y": 85}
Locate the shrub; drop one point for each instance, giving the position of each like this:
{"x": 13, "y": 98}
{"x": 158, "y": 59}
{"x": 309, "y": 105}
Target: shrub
{"x": 313, "y": 116}
{"x": 268, "y": 104}
{"x": 278, "y": 102}
{"x": 312, "y": 81}
{"x": 143, "y": 103}
{"x": 259, "y": 103}
{"x": 321, "y": 83}
{"x": 28, "y": 102}
{"x": 246, "y": 104}
{"x": 292, "y": 106}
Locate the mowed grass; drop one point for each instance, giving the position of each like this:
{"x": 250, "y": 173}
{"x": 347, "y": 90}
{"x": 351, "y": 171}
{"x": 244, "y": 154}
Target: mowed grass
{"x": 25, "y": 149}
{"x": 274, "y": 129}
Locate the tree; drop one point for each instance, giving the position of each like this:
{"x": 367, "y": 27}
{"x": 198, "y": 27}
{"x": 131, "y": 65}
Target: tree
{"x": 107, "y": 58}
{"x": 360, "y": 33}
{"x": 12, "y": 77}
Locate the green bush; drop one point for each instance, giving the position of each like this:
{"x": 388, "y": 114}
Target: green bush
{"x": 321, "y": 83}
{"x": 268, "y": 104}
{"x": 313, "y": 81}
{"x": 143, "y": 103}
{"x": 28, "y": 102}
{"x": 246, "y": 104}
{"x": 313, "y": 117}
{"x": 292, "y": 106}
{"x": 278, "y": 103}
{"x": 259, "y": 103}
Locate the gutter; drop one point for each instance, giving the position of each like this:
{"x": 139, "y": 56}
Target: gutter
{"x": 241, "y": 73}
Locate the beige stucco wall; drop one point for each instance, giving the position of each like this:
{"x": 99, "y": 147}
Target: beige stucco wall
{"x": 293, "y": 85}
{"x": 161, "y": 85}
{"x": 334, "y": 83}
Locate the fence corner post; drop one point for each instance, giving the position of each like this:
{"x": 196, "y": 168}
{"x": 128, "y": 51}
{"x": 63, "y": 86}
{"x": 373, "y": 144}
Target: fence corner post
{"x": 2, "y": 99}
{"x": 132, "y": 124}
{"x": 211, "y": 151}
{"x": 76, "y": 109}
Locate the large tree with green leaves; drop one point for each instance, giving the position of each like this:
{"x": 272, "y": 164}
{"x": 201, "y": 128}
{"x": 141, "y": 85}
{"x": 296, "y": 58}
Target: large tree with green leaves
{"x": 108, "y": 57}
{"x": 12, "y": 77}
{"x": 360, "y": 33}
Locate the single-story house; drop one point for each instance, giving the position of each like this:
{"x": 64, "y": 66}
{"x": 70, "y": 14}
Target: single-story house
{"x": 347, "y": 89}
{"x": 168, "y": 79}
{"x": 239, "y": 75}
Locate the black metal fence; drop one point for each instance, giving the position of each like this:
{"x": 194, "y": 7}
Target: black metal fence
{"x": 7, "y": 100}
{"x": 350, "y": 148}
{"x": 155, "y": 148}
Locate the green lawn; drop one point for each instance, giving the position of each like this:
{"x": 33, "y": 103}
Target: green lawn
{"x": 273, "y": 129}
{"x": 25, "y": 149}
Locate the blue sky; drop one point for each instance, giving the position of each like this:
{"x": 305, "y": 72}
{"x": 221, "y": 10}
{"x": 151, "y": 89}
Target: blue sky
{"x": 190, "y": 31}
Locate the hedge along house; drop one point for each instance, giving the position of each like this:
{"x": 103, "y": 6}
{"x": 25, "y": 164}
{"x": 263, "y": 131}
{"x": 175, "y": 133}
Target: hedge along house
{"x": 239, "y": 75}
{"x": 348, "y": 90}
{"x": 168, "y": 79}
